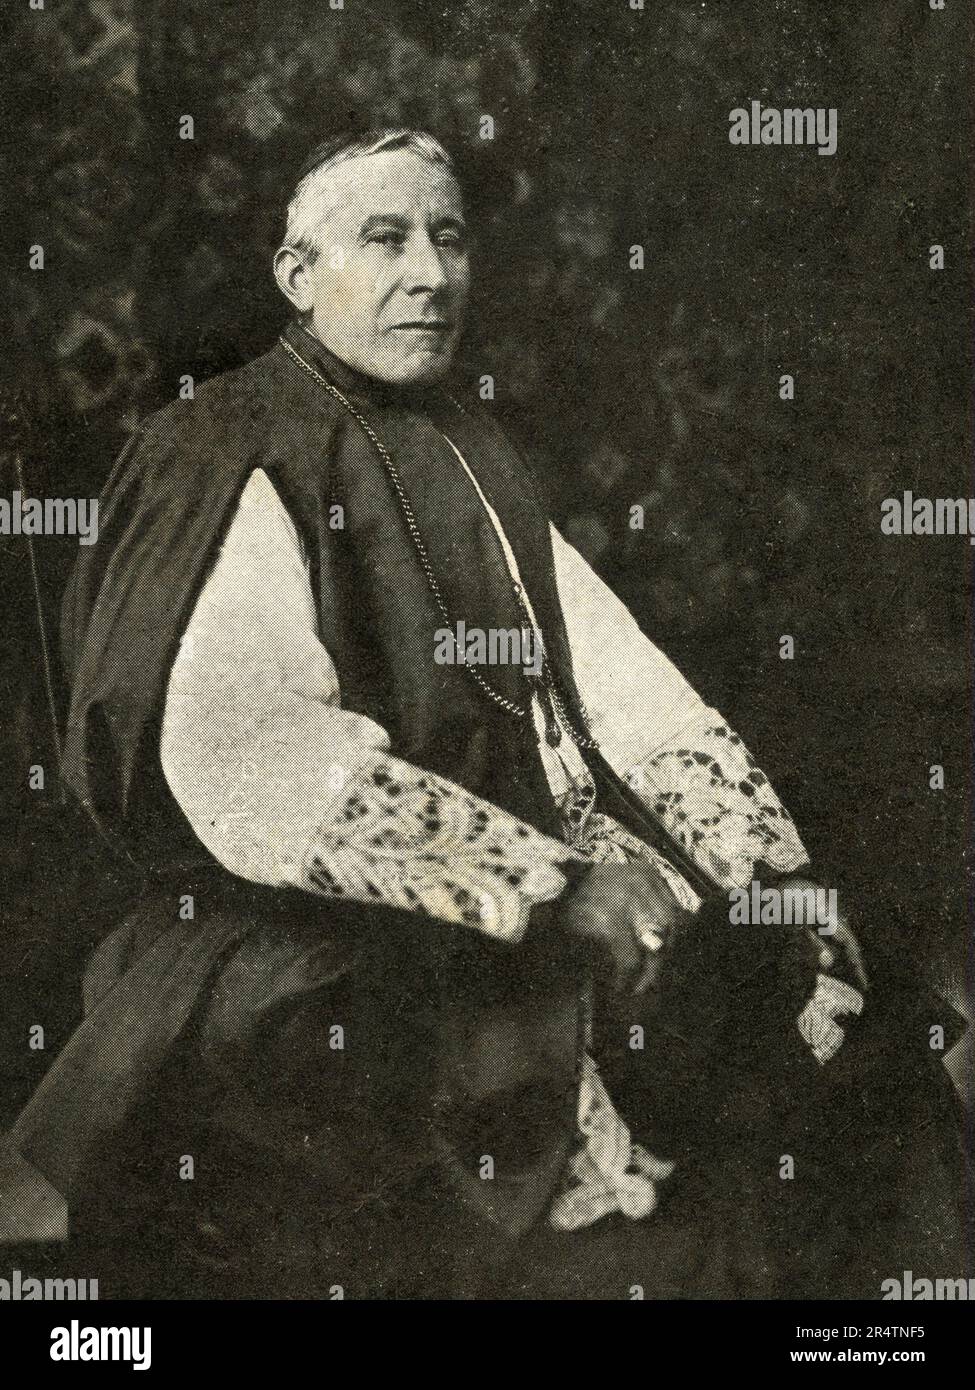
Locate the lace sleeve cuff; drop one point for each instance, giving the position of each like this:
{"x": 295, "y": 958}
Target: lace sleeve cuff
{"x": 706, "y": 790}
{"x": 408, "y": 839}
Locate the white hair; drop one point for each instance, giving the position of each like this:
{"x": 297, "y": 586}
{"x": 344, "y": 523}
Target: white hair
{"x": 309, "y": 207}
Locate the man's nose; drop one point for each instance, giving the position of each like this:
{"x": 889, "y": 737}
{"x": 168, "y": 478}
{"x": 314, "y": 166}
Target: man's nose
{"x": 423, "y": 269}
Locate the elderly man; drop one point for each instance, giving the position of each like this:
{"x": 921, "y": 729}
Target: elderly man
{"x": 420, "y": 997}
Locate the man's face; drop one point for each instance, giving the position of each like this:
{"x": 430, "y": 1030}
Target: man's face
{"x": 388, "y": 289}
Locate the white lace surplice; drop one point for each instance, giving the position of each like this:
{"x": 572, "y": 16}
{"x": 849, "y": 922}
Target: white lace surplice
{"x": 284, "y": 787}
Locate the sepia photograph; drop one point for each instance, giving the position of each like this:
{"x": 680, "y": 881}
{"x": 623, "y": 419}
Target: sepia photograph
{"x": 486, "y": 561}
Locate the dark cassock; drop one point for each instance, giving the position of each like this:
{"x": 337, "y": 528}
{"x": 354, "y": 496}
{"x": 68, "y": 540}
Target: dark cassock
{"x": 340, "y": 1041}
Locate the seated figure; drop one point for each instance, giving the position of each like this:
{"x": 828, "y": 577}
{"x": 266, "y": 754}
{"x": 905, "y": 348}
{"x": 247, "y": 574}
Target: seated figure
{"x": 438, "y": 982}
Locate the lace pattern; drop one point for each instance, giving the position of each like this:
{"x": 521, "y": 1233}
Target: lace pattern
{"x": 604, "y": 841}
{"x": 710, "y": 796}
{"x": 409, "y": 839}
{"x": 608, "y": 1172}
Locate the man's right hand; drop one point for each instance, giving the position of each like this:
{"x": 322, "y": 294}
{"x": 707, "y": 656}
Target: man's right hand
{"x": 608, "y": 907}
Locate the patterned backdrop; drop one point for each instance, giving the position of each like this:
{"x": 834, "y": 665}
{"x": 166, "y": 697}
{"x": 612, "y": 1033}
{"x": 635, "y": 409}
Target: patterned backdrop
{"x": 656, "y": 387}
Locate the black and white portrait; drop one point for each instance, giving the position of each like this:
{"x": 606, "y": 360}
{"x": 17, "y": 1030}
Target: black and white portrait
{"x": 486, "y": 548}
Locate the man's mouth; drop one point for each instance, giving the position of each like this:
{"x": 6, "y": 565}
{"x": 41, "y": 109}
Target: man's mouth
{"x": 423, "y": 326}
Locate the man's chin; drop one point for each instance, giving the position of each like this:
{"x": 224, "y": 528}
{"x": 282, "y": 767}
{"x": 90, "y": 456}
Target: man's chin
{"x": 417, "y": 364}
{"x": 421, "y": 368}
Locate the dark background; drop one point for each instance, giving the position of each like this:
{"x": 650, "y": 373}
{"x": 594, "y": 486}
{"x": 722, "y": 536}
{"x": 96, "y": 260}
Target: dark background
{"x": 657, "y": 387}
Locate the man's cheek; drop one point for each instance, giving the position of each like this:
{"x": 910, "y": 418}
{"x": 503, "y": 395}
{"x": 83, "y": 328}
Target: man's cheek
{"x": 459, "y": 290}
{"x": 345, "y": 290}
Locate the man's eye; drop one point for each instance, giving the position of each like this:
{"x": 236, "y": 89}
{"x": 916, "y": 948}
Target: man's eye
{"x": 390, "y": 238}
{"x": 455, "y": 240}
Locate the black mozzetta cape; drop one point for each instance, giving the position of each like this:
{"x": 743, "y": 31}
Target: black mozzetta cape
{"x": 165, "y": 510}
{"x": 169, "y": 502}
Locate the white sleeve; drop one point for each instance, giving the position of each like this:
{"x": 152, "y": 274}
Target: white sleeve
{"x": 690, "y": 768}
{"x": 284, "y": 787}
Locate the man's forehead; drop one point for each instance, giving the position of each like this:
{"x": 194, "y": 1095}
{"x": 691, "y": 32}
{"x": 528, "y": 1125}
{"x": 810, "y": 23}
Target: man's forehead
{"x": 397, "y": 182}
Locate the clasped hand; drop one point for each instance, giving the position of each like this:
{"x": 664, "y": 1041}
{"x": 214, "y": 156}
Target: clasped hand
{"x": 615, "y": 905}
{"x": 612, "y": 906}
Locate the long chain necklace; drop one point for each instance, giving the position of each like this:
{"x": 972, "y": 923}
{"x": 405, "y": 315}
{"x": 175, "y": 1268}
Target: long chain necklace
{"x": 544, "y": 684}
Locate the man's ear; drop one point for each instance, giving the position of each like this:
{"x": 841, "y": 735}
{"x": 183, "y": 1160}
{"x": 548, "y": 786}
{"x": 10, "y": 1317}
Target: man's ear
{"x": 292, "y": 278}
